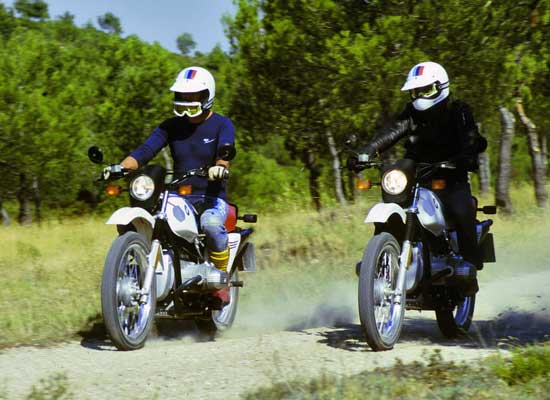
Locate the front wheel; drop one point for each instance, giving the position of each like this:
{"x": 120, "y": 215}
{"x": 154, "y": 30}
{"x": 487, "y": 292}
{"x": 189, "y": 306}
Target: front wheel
{"x": 221, "y": 320}
{"x": 127, "y": 317}
{"x": 455, "y": 323}
{"x": 381, "y": 318}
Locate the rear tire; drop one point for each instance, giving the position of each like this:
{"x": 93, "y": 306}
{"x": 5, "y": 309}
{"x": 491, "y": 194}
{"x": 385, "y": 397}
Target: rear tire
{"x": 380, "y": 317}
{"x": 127, "y": 321}
{"x": 455, "y": 323}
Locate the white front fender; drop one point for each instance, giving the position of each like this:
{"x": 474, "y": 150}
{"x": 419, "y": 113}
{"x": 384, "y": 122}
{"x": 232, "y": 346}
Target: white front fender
{"x": 381, "y": 212}
{"x": 140, "y": 218}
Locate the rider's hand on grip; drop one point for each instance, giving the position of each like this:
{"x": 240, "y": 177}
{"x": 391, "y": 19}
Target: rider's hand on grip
{"x": 113, "y": 171}
{"x": 217, "y": 172}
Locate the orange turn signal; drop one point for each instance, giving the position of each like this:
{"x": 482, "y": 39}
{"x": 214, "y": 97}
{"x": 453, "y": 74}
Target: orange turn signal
{"x": 363, "y": 184}
{"x": 438, "y": 184}
{"x": 113, "y": 190}
{"x": 185, "y": 190}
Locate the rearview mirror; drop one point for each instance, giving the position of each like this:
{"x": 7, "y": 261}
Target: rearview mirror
{"x": 227, "y": 152}
{"x": 351, "y": 140}
{"x": 95, "y": 155}
{"x": 488, "y": 210}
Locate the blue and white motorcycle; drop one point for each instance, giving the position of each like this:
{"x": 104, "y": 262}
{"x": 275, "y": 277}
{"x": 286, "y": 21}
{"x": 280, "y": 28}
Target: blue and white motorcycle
{"x": 158, "y": 266}
{"x": 410, "y": 262}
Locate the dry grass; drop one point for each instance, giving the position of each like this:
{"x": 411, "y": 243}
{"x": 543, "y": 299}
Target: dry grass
{"x": 51, "y": 273}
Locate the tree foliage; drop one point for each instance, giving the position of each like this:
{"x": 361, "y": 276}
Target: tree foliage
{"x": 185, "y": 43}
{"x": 297, "y": 71}
{"x": 110, "y": 23}
{"x": 35, "y": 9}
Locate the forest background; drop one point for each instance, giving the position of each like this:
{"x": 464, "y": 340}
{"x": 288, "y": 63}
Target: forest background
{"x": 300, "y": 77}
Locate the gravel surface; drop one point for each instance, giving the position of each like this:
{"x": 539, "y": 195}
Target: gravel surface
{"x": 514, "y": 309}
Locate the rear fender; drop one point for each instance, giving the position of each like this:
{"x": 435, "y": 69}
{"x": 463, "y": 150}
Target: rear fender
{"x": 234, "y": 240}
{"x": 142, "y": 222}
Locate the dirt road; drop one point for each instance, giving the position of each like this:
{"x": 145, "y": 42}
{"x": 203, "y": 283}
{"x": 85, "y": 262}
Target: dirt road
{"x": 514, "y": 309}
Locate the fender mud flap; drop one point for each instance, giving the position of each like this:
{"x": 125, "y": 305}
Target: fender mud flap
{"x": 246, "y": 259}
{"x": 487, "y": 249}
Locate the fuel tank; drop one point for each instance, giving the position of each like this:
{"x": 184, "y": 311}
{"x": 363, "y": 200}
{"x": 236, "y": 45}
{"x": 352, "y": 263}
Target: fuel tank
{"x": 430, "y": 212}
{"x": 182, "y": 217}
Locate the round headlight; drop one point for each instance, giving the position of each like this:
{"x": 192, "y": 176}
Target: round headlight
{"x": 394, "y": 181}
{"x": 142, "y": 188}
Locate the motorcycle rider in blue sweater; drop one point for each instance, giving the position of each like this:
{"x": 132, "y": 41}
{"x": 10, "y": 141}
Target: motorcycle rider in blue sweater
{"x": 194, "y": 136}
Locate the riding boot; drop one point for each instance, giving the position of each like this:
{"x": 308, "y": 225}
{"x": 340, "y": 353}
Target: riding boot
{"x": 220, "y": 259}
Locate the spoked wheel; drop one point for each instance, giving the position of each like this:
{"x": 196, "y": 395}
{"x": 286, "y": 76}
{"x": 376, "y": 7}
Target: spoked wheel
{"x": 381, "y": 318}
{"x": 221, "y": 320}
{"x": 127, "y": 317}
{"x": 455, "y": 323}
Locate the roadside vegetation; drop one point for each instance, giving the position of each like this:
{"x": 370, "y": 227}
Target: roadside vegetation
{"x": 51, "y": 273}
{"x": 523, "y": 375}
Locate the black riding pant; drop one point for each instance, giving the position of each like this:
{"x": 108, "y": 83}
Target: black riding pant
{"x": 458, "y": 205}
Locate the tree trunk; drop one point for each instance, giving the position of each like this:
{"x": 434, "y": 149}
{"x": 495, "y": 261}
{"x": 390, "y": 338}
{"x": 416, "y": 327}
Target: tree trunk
{"x": 502, "y": 193}
{"x": 484, "y": 171}
{"x": 336, "y": 168}
{"x": 484, "y": 174}
{"x": 36, "y": 199}
{"x": 544, "y": 152}
{"x": 539, "y": 176}
{"x": 24, "y": 217}
{"x": 4, "y": 217}
{"x": 314, "y": 174}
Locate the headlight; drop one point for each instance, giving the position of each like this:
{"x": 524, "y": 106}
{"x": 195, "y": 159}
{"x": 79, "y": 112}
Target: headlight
{"x": 142, "y": 188}
{"x": 394, "y": 181}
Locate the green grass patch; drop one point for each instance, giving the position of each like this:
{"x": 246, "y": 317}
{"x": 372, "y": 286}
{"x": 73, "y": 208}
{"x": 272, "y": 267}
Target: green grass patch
{"x": 432, "y": 378}
{"x": 50, "y": 279}
{"x": 55, "y": 387}
{"x": 525, "y": 364}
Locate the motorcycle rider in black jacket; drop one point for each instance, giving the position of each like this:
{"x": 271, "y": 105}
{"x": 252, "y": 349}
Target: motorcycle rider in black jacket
{"x": 440, "y": 129}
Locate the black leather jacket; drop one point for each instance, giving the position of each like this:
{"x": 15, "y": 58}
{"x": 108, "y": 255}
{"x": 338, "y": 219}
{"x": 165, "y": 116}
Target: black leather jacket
{"x": 445, "y": 132}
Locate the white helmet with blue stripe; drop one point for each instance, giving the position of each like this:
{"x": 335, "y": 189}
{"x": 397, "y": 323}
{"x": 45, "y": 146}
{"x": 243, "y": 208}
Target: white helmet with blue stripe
{"x": 428, "y": 84}
{"x": 193, "y": 80}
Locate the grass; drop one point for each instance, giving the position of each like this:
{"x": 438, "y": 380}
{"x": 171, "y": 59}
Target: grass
{"x": 55, "y": 387}
{"x": 51, "y": 290}
{"x": 432, "y": 378}
{"x": 50, "y": 279}
{"x": 51, "y": 273}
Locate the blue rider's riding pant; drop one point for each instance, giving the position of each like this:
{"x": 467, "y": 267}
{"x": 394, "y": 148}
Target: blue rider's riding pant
{"x": 213, "y": 212}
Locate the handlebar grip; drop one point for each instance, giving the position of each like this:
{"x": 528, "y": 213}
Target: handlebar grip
{"x": 226, "y": 174}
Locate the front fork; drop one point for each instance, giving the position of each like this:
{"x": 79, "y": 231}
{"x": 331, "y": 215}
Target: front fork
{"x": 155, "y": 255}
{"x": 406, "y": 250}
{"x": 153, "y": 258}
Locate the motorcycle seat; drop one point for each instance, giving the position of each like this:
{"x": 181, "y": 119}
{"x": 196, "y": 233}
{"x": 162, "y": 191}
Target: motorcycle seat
{"x": 231, "y": 219}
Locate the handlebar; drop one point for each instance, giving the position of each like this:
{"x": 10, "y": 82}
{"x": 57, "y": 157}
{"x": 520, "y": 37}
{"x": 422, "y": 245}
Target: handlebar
{"x": 199, "y": 172}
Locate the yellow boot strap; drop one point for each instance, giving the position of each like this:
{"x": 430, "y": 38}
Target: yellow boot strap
{"x": 220, "y": 259}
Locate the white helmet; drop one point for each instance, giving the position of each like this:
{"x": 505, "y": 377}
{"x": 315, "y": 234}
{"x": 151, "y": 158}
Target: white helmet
{"x": 193, "y": 80}
{"x": 428, "y": 84}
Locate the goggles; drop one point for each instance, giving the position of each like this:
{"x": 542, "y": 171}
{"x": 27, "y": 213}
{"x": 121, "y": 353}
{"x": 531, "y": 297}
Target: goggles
{"x": 191, "y": 109}
{"x": 425, "y": 92}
